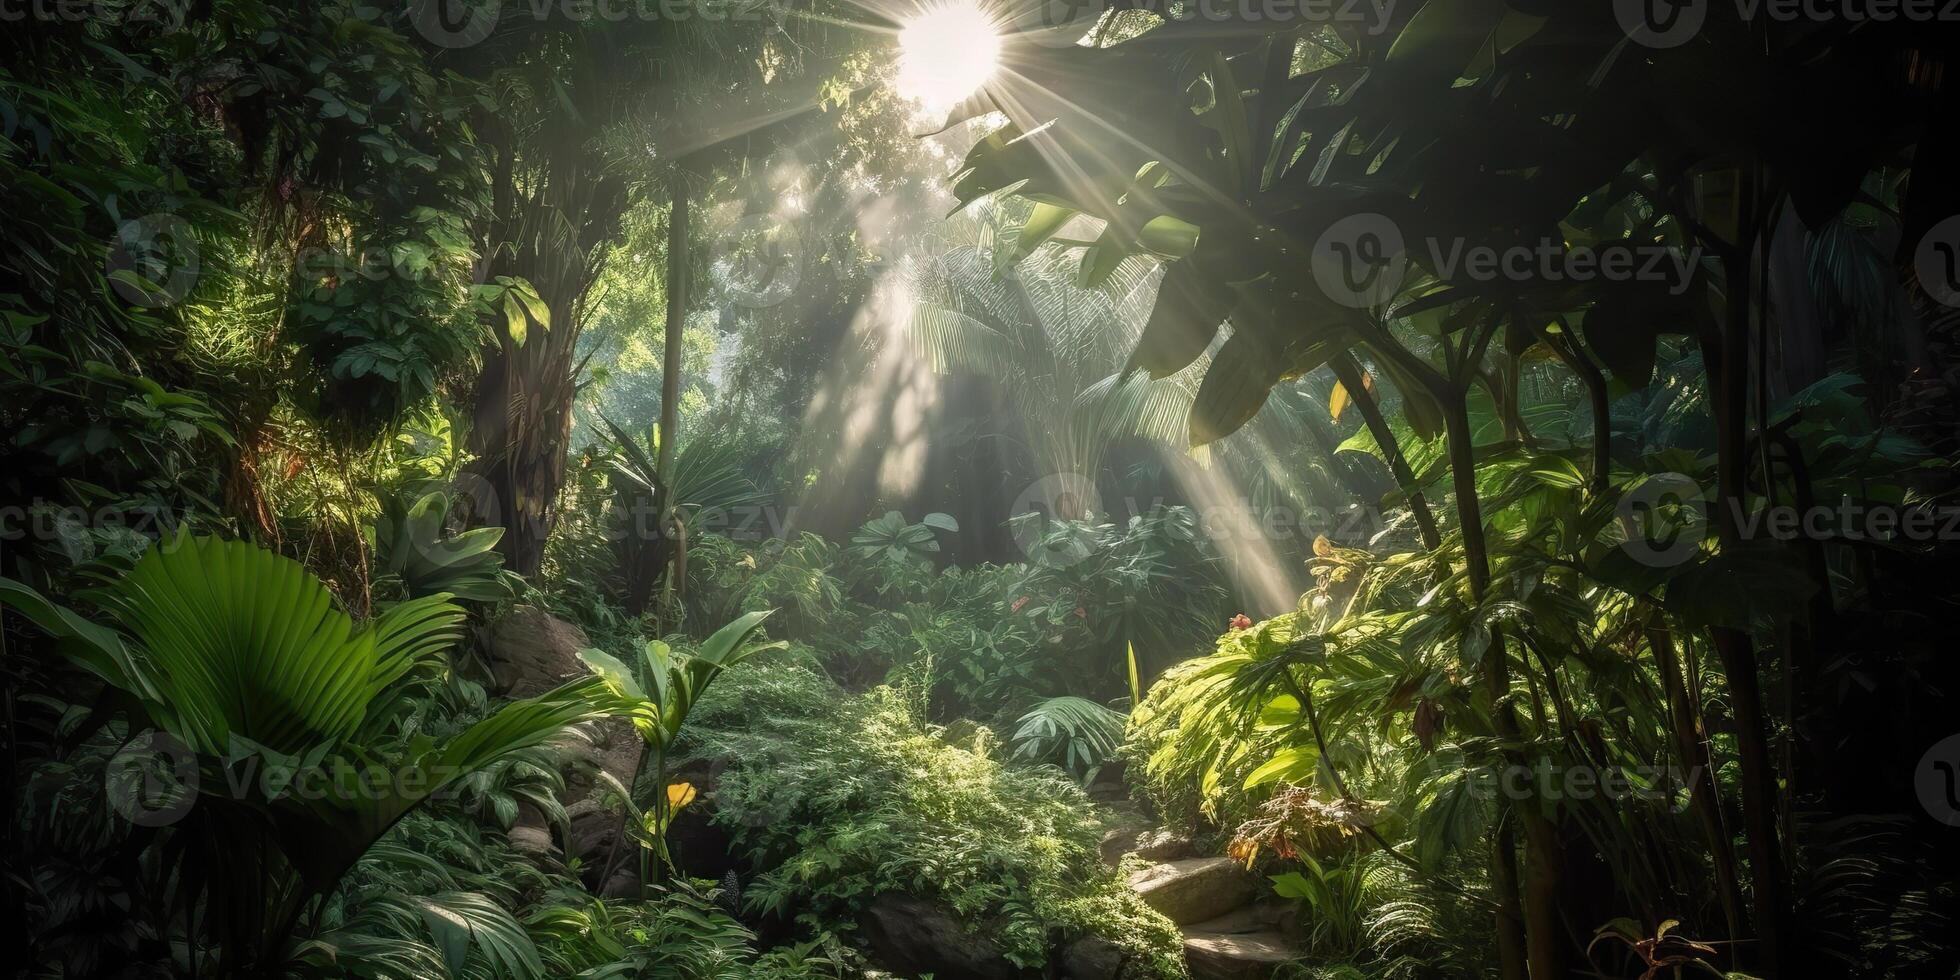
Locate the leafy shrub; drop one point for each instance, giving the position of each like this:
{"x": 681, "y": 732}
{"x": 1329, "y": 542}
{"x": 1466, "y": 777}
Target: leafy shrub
{"x": 1096, "y": 589}
{"x": 239, "y": 654}
{"x": 1075, "y": 733}
{"x": 1192, "y": 744}
{"x": 658, "y": 692}
{"x": 416, "y": 553}
{"x": 726, "y": 579}
{"x": 898, "y": 549}
{"x": 439, "y": 897}
{"x": 837, "y": 798}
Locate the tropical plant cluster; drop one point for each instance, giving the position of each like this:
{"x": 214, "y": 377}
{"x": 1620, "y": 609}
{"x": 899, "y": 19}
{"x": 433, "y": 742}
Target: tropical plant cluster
{"x": 496, "y": 492}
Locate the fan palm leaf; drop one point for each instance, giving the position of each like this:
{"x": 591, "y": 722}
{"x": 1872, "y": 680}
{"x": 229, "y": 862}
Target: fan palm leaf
{"x": 239, "y": 652}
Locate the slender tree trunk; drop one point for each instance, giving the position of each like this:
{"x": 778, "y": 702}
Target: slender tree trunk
{"x": 1727, "y": 360}
{"x": 1692, "y": 748}
{"x": 677, "y": 282}
{"x": 1575, "y": 357}
{"x": 1529, "y": 925}
{"x": 670, "y": 371}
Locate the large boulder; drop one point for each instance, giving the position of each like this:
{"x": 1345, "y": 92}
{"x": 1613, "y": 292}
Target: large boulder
{"x": 1195, "y": 889}
{"x": 1096, "y": 958}
{"x": 610, "y": 745}
{"x": 595, "y": 833}
{"x": 913, "y": 936}
{"x": 530, "y": 835}
{"x": 531, "y": 651}
{"x": 613, "y": 747}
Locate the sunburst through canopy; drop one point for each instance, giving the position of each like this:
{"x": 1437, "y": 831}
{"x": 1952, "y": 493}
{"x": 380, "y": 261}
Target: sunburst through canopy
{"x": 946, "y": 52}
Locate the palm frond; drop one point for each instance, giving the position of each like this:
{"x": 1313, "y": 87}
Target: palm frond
{"x": 951, "y": 341}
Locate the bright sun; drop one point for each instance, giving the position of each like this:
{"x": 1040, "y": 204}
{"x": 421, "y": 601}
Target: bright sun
{"x": 946, "y": 53}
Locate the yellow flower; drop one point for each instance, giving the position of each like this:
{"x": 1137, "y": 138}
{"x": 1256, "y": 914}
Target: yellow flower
{"x": 679, "y": 795}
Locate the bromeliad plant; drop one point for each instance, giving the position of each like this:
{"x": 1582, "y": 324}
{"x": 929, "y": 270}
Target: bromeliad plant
{"x": 659, "y": 692}
{"x": 415, "y": 554}
{"x": 290, "y": 721}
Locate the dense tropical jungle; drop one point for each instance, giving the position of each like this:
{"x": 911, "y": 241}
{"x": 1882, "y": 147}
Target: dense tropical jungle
{"x": 980, "y": 489}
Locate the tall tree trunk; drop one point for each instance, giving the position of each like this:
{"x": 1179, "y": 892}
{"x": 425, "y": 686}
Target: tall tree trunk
{"x": 522, "y": 417}
{"x": 670, "y": 372}
{"x": 1727, "y": 358}
{"x": 1573, "y": 354}
{"x": 1528, "y": 920}
{"x": 1692, "y": 747}
{"x": 677, "y": 282}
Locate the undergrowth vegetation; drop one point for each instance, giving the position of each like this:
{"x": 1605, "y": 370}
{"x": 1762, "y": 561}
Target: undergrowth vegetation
{"x": 1473, "y": 492}
{"x": 837, "y": 798}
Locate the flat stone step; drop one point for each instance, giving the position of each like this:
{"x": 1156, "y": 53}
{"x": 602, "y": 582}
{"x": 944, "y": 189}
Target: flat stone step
{"x": 1153, "y": 844}
{"x": 1195, "y": 889}
{"x": 1257, "y": 917}
{"x": 1237, "y": 955}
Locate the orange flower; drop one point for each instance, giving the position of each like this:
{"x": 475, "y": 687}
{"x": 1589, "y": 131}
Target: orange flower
{"x": 1241, "y": 622}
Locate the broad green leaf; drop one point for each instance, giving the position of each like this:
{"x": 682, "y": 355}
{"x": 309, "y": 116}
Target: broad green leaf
{"x": 615, "y": 673}
{"x": 1291, "y": 765}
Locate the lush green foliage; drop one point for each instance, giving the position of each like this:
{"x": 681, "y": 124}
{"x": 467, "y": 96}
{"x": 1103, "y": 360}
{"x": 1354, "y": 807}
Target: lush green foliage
{"x": 314, "y": 325}
{"x": 1075, "y": 733}
{"x": 238, "y": 656}
{"x": 658, "y": 693}
{"x": 838, "y": 798}
{"x": 417, "y": 552}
